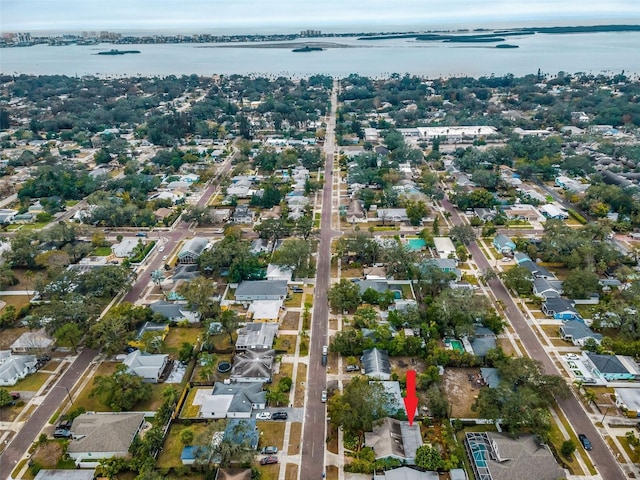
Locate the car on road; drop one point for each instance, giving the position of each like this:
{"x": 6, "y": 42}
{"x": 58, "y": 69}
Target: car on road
{"x": 263, "y": 416}
{"x": 585, "y": 441}
{"x": 353, "y": 368}
{"x": 61, "y": 433}
{"x": 279, "y": 416}
{"x": 161, "y": 249}
{"x": 269, "y": 460}
{"x": 164, "y": 258}
{"x": 323, "y": 396}
{"x": 270, "y": 450}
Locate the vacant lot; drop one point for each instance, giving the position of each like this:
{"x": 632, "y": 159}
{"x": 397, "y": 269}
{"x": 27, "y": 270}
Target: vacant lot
{"x": 461, "y": 392}
{"x": 10, "y": 335}
{"x": 291, "y": 321}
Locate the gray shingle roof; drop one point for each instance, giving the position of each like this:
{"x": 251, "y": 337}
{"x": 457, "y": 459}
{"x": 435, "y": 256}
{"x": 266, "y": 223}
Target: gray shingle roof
{"x": 607, "y": 363}
{"x": 577, "y": 329}
{"x": 252, "y": 288}
{"x": 376, "y": 362}
{"x": 104, "y": 432}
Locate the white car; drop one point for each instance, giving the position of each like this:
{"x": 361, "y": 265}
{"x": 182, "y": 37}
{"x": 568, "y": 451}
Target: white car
{"x": 164, "y": 258}
{"x": 323, "y": 396}
{"x": 161, "y": 249}
{"x": 571, "y": 356}
{"x": 263, "y": 416}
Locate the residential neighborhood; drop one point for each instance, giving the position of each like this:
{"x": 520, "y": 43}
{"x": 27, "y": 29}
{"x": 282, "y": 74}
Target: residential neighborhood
{"x": 247, "y": 277}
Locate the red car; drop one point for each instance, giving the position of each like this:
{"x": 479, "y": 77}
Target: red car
{"x": 269, "y": 460}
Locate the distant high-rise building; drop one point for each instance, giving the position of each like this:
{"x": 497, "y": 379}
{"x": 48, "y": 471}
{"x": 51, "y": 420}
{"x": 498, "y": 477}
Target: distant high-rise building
{"x": 310, "y": 33}
{"x": 23, "y": 38}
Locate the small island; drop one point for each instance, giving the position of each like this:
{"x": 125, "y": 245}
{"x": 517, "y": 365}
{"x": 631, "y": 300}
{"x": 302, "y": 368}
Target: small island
{"x": 307, "y": 48}
{"x": 507, "y": 45}
{"x": 117, "y": 52}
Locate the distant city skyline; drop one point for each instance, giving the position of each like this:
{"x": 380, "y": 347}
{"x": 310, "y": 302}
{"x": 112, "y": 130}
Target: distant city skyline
{"x": 249, "y": 16}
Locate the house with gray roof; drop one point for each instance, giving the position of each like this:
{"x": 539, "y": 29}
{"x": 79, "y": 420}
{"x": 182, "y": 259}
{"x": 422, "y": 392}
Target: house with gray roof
{"x": 577, "y": 332}
{"x": 446, "y": 265}
{"x": 482, "y": 341}
{"x": 191, "y": 250}
{"x": 614, "y": 367}
{"x": 15, "y": 367}
{"x": 537, "y": 270}
{"x": 249, "y": 290}
{"x": 36, "y": 342}
{"x": 103, "y": 435}
{"x": 545, "y": 289}
{"x": 252, "y": 366}
{"x": 256, "y": 336}
{"x": 395, "y": 439}
{"x": 125, "y": 248}
{"x": 490, "y": 377}
{"x": 77, "y": 474}
{"x": 233, "y": 400}
{"x": 147, "y": 366}
{"x": 559, "y": 308}
{"x": 497, "y": 456}
{"x": 406, "y": 473}
{"x": 7, "y": 215}
{"x": 174, "y": 311}
{"x": 504, "y": 244}
{"x": 376, "y": 364}
{"x": 379, "y": 286}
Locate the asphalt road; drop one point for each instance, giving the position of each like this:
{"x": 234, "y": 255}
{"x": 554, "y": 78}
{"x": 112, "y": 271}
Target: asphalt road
{"x": 314, "y": 439}
{"x": 601, "y": 456}
{"x": 173, "y": 238}
{"x": 39, "y": 418}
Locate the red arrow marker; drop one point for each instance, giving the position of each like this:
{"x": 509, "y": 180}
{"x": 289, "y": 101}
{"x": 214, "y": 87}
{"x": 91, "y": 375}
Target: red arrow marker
{"x": 411, "y": 400}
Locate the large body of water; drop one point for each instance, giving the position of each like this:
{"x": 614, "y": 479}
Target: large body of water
{"x": 585, "y": 52}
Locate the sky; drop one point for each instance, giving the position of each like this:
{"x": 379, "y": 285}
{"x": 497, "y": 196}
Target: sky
{"x": 255, "y": 16}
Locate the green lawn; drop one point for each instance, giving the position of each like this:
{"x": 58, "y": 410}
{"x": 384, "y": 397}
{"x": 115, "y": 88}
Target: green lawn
{"x": 189, "y": 410}
{"x": 102, "y": 251}
{"x": 93, "y": 404}
{"x": 170, "y": 454}
{"x": 177, "y": 336}
{"x": 18, "y": 301}
{"x": 286, "y": 343}
{"x": 293, "y": 300}
{"x": 32, "y": 383}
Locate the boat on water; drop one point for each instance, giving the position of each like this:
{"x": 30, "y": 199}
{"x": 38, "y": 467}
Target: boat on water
{"x": 114, "y": 51}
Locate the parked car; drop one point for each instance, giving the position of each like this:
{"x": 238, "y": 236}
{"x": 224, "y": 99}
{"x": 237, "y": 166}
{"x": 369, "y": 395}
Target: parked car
{"x": 353, "y": 368}
{"x": 61, "y": 433}
{"x": 323, "y": 396}
{"x": 269, "y": 460}
{"x": 263, "y": 416}
{"x": 279, "y": 416}
{"x": 585, "y": 441}
{"x": 130, "y": 349}
{"x": 270, "y": 450}
{"x": 571, "y": 356}
{"x": 64, "y": 425}
{"x": 297, "y": 290}
{"x": 15, "y": 395}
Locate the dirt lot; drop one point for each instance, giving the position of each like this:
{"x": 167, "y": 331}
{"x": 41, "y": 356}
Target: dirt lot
{"x": 400, "y": 365}
{"x": 291, "y": 321}
{"x": 10, "y": 335}
{"x": 461, "y": 391}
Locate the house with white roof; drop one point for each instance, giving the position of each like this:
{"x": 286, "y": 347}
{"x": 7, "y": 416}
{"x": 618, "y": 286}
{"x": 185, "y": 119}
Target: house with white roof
{"x": 235, "y": 400}
{"x": 125, "y": 248}
{"x": 15, "y": 367}
{"x": 147, "y": 366}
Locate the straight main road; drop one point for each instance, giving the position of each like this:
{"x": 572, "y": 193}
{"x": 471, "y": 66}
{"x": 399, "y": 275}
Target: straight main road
{"x": 602, "y": 457}
{"x": 31, "y": 429}
{"x": 315, "y": 423}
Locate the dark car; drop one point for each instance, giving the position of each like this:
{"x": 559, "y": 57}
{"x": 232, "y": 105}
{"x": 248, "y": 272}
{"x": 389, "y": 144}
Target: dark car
{"x": 64, "y": 425}
{"x": 269, "y": 460}
{"x": 130, "y": 349}
{"x": 297, "y": 290}
{"x": 585, "y": 441}
{"x": 279, "y": 416}
{"x": 61, "y": 433}
{"x": 270, "y": 450}
{"x": 353, "y": 368}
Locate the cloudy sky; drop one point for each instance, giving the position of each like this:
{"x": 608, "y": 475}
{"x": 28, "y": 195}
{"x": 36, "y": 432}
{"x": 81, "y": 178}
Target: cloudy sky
{"x": 249, "y": 16}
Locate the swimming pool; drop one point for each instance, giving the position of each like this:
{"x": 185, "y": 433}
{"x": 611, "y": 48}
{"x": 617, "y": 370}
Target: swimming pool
{"x": 453, "y": 344}
{"x": 416, "y": 243}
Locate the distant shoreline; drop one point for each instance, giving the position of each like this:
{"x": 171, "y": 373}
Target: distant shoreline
{"x": 477, "y": 35}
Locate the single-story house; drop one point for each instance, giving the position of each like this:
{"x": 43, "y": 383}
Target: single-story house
{"x": 406, "y": 473}
{"x": 7, "y": 215}
{"x": 447, "y": 265}
{"x": 577, "y": 332}
{"x": 257, "y": 336}
{"x": 504, "y": 244}
{"x": 490, "y": 377}
{"x": 234, "y": 474}
{"x": 395, "y": 439}
{"x": 233, "y": 400}
{"x": 614, "y": 367}
{"x": 242, "y": 214}
{"x": 559, "y": 308}
{"x": 260, "y": 245}
{"x": 499, "y": 456}
{"x": 147, "y": 366}
{"x": 444, "y": 247}
{"x": 379, "y": 286}
{"x": 355, "y": 212}
{"x": 485, "y": 214}
{"x": 628, "y": 399}
{"x": 192, "y": 249}
{"x": 125, "y": 248}
{"x": 537, "y": 270}
{"x": 376, "y": 364}
{"x": 552, "y": 211}
{"x": 396, "y": 402}
{"x": 35, "y": 342}
{"x": 252, "y": 366}
{"x": 392, "y": 215}
{"x": 265, "y": 310}
{"x": 15, "y": 367}
{"x": 174, "y": 311}
{"x": 46, "y": 474}
{"x": 103, "y": 435}
{"x": 276, "y": 272}
{"x": 250, "y": 290}
{"x": 545, "y": 289}
{"x": 483, "y": 340}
